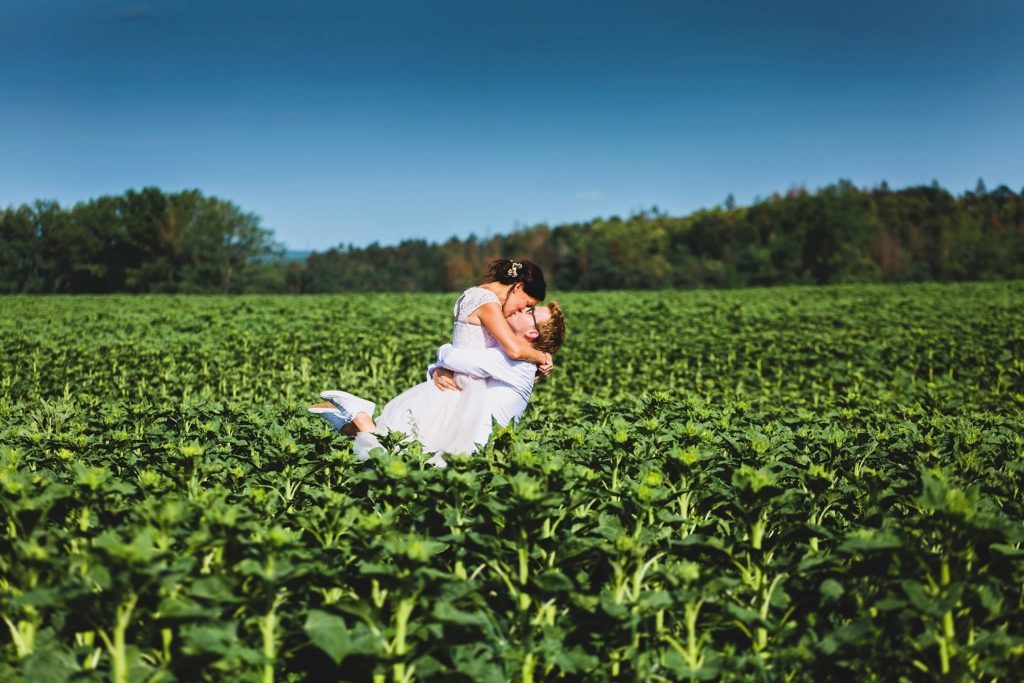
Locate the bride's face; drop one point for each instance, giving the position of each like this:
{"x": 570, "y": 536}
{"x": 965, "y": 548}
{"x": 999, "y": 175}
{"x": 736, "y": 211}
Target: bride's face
{"x": 517, "y": 300}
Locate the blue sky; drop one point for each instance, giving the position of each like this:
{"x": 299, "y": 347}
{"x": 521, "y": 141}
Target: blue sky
{"x": 353, "y": 122}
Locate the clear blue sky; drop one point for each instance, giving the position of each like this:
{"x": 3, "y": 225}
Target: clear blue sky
{"x": 377, "y": 120}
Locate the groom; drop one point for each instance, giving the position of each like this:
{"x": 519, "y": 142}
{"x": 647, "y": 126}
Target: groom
{"x": 509, "y": 382}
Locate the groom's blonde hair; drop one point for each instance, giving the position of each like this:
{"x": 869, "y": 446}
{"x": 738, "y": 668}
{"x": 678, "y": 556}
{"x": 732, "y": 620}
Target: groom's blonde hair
{"x": 552, "y": 331}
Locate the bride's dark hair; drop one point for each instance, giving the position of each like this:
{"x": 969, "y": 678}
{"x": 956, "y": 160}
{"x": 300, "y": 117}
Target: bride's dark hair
{"x": 510, "y": 271}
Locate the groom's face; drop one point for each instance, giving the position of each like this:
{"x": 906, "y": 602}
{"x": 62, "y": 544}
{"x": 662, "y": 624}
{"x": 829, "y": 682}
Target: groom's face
{"x": 524, "y": 323}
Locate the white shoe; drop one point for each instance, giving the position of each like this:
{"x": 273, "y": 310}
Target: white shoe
{"x": 332, "y": 415}
{"x": 349, "y": 403}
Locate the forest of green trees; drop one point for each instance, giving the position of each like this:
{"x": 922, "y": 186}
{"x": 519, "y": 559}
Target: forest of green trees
{"x": 151, "y": 241}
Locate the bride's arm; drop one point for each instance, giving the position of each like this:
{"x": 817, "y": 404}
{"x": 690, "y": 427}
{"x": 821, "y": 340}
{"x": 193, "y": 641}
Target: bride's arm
{"x": 515, "y": 347}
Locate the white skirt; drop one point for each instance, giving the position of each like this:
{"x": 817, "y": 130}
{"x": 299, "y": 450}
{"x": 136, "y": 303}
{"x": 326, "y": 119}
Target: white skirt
{"x": 443, "y": 421}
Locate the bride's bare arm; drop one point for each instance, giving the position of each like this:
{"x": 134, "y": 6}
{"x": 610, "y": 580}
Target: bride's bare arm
{"x": 515, "y": 347}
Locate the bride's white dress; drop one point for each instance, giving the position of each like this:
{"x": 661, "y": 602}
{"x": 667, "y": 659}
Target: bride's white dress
{"x": 448, "y": 421}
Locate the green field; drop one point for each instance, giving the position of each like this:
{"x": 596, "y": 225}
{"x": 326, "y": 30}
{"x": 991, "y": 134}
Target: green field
{"x": 789, "y": 484}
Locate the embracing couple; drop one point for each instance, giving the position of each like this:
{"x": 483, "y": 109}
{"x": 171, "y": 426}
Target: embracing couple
{"x": 501, "y": 341}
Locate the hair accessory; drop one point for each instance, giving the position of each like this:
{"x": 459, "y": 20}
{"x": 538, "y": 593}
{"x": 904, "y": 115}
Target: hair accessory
{"x": 514, "y": 270}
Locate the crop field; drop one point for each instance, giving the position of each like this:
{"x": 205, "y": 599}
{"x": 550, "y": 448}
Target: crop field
{"x": 788, "y": 484}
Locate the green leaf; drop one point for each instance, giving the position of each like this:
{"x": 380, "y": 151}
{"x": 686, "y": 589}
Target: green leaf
{"x": 445, "y": 611}
{"x": 214, "y": 589}
{"x": 553, "y": 581}
{"x": 655, "y": 600}
{"x": 476, "y": 661}
{"x": 575, "y": 660}
{"x": 50, "y": 662}
{"x": 870, "y": 541}
{"x": 179, "y": 608}
{"x": 218, "y": 638}
{"x": 1007, "y": 551}
{"x": 329, "y": 633}
{"x": 746, "y": 615}
{"x": 846, "y": 634}
{"x": 140, "y": 551}
{"x": 831, "y": 589}
{"x": 920, "y": 599}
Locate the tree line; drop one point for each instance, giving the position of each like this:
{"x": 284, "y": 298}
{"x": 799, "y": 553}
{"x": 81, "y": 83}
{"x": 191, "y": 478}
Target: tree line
{"x": 149, "y": 241}
{"x": 145, "y": 241}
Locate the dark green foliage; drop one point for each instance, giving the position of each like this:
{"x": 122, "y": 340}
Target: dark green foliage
{"x": 839, "y": 234}
{"x": 150, "y": 242}
{"x": 778, "y": 484}
{"x": 144, "y": 241}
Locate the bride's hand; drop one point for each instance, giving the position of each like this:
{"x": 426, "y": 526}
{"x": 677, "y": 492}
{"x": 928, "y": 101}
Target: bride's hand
{"x": 444, "y": 379}
{"x": 545, "y": 368}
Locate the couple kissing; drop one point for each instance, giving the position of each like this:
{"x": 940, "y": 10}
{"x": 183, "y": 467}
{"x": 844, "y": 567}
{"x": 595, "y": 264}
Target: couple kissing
{"x": 502, "y": 341}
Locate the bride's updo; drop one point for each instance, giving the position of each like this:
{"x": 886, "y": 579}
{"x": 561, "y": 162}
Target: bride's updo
{"x": 510, "y": 271}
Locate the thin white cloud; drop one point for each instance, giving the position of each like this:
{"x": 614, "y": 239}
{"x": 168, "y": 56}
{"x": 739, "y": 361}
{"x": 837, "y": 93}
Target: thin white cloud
{"x": 589, "y": 195}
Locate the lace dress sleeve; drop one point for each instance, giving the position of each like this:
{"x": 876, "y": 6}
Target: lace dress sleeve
{"x": 468, "y": 335}
{"x": 472, "y": 299}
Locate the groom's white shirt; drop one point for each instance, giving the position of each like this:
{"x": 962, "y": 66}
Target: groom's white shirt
{"x": 509, "y": 382}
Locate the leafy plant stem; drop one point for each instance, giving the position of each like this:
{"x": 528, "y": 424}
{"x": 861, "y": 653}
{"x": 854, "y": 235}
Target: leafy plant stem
{"x": 268, "y": 629}
{"x": 524, "y": 557}
{"x": 529, "y": 663}
{"x": 402, "y": 614}
{"x": 23, "y": 635}
{"x": 757, "y": 532}
{"x": 693, "y": 659}
{"x": 948, "y": 631}
{"x": 117, "y": 648}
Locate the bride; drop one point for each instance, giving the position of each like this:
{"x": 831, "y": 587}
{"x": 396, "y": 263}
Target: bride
{"x": 456, "y": 421}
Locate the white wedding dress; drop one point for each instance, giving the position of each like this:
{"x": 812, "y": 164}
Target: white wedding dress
{"x": 448, "y": 421}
